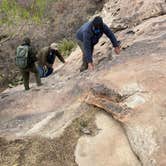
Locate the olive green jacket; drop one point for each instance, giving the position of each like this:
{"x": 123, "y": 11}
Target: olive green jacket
{"x": 42, "y": 56}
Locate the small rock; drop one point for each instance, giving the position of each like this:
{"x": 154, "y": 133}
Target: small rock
{"x": 86, "y": 131}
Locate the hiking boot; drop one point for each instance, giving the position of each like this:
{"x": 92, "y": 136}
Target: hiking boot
{"x": 82, "y": 68}
{"x": 27, "y": 88}
{"x": 40, "y": 84}
{"x": 84, "y": 65}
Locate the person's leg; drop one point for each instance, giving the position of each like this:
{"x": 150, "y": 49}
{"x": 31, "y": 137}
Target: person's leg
{"x": 84, "y": 65}
{"x": 37, "y": 75}
{"x": 49, "y": 71}
{"x": 39, "y": 69}
{"x": 25, "y": 75}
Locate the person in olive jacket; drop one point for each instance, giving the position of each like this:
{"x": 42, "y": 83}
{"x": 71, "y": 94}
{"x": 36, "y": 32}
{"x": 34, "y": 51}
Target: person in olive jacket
{"x": 31, "y": 67}
{"x": 46, "y": 58}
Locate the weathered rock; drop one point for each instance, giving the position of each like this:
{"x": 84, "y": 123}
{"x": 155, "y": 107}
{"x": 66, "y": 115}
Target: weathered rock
{"x": 107, "y": 147}
{"x": 109, "y": 103}
{"x": 124, "y": 14}
{"x": 135, "y": 79}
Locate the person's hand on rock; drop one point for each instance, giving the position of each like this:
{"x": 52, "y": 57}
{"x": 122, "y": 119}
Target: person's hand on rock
{"x": 90, "y": 66}
{"x": 117, "y": 50}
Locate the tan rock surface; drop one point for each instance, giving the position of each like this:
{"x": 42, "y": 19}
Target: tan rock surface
{"x": 108, "y": 147}
{"x": 138, "y": 75}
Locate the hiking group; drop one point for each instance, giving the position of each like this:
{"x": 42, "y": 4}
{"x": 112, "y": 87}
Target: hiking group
{"x": 41, "y": 63}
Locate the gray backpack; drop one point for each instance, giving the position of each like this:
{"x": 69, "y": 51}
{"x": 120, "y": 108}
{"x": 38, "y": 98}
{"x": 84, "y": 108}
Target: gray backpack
{"x": 22, "y": 56}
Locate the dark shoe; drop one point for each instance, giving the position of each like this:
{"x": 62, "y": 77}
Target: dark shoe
{"x": 84, "y": 66}
{"x": 39, "y": 84}
{"x": 27, "y": 89}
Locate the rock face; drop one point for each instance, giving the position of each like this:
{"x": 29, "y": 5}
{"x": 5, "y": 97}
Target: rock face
{"x": 130, "y": 88}
{"x": 125, "y": 14}
{"x": 107, "y": 147}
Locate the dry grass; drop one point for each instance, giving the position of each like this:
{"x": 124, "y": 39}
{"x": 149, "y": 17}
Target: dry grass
{"x": 39, "y": 151}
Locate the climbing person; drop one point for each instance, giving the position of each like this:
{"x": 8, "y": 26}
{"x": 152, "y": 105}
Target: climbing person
{"x": 46, "y": 58}
{"x": 25, "y": 60}
{"x": 88, "y": 36}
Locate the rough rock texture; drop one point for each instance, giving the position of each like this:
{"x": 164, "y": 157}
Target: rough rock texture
{"x": 126, "y": 14}
{"x": 107, "y": 147}
{"x": 133, "y": 81}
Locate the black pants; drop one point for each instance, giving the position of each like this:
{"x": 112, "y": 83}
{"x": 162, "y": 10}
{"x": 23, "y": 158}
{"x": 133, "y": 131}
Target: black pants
{"x": 84, "y": 65}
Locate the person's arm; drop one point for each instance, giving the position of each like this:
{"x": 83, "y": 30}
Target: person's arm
{"x": 60, "y": 57}
{"x": 88, "y": 50}
{"x": 110, "y": 35}
{"x": 112, "y": 38}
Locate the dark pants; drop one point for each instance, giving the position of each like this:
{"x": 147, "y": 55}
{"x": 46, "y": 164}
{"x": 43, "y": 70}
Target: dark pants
{"x": 44, "y": 71}
{"x": 26, "y": 74}
{"x": 84, "y": 65}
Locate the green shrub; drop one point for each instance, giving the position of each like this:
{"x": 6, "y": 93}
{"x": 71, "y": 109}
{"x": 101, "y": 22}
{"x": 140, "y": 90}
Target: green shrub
{"x": 11, "y": 10}
{"x": 37, "y": 9}
{"x": 66, "y": 46}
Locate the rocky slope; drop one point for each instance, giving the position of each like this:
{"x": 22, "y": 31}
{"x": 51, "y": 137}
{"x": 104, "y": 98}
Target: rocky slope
{"x": 60, "y": 20}
{"x": 114, "y": 115}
